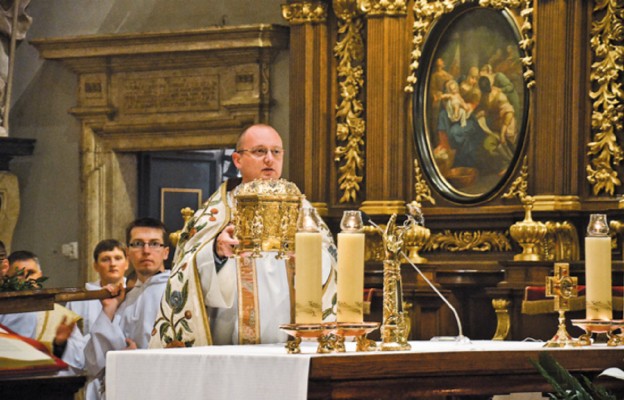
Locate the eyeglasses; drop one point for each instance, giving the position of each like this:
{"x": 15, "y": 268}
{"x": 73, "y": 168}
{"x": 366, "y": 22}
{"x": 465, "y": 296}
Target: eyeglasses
{"x": 261, "y": 152}
{"x": 137, "y": 245}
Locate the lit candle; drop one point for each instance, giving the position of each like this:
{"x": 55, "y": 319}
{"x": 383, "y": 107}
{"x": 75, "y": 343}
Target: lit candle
{"x": 350, "y": 269}
{"x": 598, "y": 270}
{"x": 308, "y": 271}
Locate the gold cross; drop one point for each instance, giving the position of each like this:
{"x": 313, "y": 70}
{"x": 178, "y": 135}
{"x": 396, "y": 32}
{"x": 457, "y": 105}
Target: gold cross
{"x": 562, "y": 287}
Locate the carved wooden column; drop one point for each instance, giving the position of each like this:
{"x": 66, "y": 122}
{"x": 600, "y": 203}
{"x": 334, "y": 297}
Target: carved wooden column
{"x": 310, "y": 106}
{"x": 561, "y": 117}
{"x": 388, "y": 144}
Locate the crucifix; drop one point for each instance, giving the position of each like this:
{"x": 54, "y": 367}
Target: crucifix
{"x": 562, "y": 287}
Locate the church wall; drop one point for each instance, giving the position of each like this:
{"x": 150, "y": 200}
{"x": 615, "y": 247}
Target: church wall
{"x": 43, "y": 92}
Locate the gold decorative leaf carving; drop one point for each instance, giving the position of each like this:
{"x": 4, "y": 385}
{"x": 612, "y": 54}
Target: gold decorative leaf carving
{"x": 350, "y": 129}
{"x": 520, "y": 185}
{"x": 383, "y": 7}
{"x": 478, "y": 241}
{"x": 607, "y": 74}
{"x": 427, "y": 12}
{"x": 561, "y": 242}
{"x": 305, "y": 12}
{"x": 422, "y": 190}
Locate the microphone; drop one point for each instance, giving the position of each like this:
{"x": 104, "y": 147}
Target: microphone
{"x": 460, "y": 338}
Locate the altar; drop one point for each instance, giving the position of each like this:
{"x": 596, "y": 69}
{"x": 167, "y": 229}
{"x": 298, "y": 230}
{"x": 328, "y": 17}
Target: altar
{"x": 268, "y": 372}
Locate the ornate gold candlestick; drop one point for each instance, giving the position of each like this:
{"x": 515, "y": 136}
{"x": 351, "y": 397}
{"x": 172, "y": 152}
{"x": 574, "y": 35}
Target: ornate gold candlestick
{"x": 415, "y": 236}
{"x": 562, "y": 287}
{"x": 599, "y": 327}
{"x": 394, "y": 327}
{"x": 528, "y": 233}
{"x": 357, "y": 330}
{"x": 323, "y": 333}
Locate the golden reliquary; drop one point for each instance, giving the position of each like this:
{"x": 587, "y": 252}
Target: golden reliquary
{"x": 265, "y": 217}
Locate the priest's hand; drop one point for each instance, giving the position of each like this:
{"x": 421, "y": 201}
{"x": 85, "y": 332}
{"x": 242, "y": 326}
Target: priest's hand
{"x": 225, "y": 242}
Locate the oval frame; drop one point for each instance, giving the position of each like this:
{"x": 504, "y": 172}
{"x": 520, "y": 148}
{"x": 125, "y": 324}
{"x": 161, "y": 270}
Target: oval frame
{"x": 481, "y": 183}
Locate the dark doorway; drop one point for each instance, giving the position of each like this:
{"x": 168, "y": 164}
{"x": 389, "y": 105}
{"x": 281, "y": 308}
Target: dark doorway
{"x": 172, "y": 180}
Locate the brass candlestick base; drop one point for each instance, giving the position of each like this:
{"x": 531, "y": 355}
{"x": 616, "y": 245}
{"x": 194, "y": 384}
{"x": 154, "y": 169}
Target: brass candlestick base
{"x": 357, "y": 330}
{"x": 562, "y": 338}
{"x": 599, "y": 326}
{"x": 321, "y": 332}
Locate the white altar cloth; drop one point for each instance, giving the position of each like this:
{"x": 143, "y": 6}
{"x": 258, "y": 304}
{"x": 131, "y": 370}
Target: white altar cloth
{"x": 241, "y": 372}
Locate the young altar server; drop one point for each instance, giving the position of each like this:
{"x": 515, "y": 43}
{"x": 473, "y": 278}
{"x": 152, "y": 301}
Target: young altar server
{"x": 126, "y": 321}
{"x": 110, "y": 261}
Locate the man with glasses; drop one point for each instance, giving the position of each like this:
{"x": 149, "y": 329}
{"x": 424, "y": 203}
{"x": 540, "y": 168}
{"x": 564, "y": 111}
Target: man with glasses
{"x": 126, "y": 321}
{"x": 215, "y": 311}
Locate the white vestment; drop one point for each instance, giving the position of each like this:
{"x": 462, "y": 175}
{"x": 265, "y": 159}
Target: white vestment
{"x": 206, "y": 301}
{"x": 24, "y": 324}
{"x": 89, "y": 310}
{"x": 134, "y": 320}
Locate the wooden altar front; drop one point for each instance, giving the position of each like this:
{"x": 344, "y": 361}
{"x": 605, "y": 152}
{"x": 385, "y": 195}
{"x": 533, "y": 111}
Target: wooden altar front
{"x": 448, "y": 374}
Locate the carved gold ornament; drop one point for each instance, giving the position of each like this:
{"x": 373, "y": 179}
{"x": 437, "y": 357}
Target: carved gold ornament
{"x": 350, "y": 124}
{"x": 305, "y": 12}
{"x": 422, "y": 190}
{"x": 383, "y": 7}
{"x": 561, "y": 242}
{"x": 478, "y": 241}
{"x": 427, "y": 12}
{"x": 265, "y": 217}
{"x": 528, "y": 233}
{"x": 607, "y": 74}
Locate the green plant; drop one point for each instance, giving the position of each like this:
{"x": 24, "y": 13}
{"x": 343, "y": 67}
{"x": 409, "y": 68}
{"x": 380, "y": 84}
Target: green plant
{"x": 16, "y": 282}
{"x": 566, "y": 386}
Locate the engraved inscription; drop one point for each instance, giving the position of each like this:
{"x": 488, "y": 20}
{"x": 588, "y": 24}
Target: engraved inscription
{"x": 244, "y": 82}
{"x": 93, "y": 89}
{"x": 169, "y": 94}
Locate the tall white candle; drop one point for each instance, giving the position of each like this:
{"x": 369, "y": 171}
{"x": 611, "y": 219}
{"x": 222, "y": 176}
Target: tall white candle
{"x": 350, "y": 277}
{"x": 598, "y": 270}
{"x": 308, "y": 286}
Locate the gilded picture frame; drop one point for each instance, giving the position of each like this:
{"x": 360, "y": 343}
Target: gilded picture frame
{"x": 471, "y": 99}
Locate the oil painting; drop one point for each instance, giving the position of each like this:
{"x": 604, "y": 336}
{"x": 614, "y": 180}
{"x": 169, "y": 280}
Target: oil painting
{"x": 471, "y": 107}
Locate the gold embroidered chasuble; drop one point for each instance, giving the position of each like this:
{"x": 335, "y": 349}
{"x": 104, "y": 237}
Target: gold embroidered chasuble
{"x": 183, "y": 320}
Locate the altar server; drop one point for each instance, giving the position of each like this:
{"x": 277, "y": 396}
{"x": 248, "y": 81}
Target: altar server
{"x": 126, "y": 321}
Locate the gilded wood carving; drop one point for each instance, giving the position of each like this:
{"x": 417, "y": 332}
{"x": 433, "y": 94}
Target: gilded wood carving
{"x": 607, "y": 73}
{"x": 351, "y": 126}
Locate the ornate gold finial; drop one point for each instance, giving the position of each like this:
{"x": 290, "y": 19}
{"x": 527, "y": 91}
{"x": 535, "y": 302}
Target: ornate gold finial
{"x": 562, "y": 287}
{"x": 427, "y": 12}
{"x": 416, "y": 235}
{"x": 607, "y": 72}
{"x": 528, "y": 233}
{"x": 174, "y": 237}
{"x": 311, "y": 12}
{"x": 394, "y": 327}
{"x": 351, "y": 126}
{"x": 383, "y": 7}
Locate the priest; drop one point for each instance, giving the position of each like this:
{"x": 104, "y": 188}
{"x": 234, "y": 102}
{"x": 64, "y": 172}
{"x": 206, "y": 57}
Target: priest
{"x": 208, "y": 299}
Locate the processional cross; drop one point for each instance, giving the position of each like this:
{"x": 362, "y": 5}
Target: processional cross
{"x": 562, "y": 287}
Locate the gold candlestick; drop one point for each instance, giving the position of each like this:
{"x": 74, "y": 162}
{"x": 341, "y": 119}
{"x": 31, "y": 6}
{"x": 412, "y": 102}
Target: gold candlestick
{"x": 394, "y": 327}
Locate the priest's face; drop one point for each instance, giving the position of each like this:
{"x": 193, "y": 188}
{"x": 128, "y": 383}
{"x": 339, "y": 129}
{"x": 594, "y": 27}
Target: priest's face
{"x": 147, "y": 251}
{"x": 111, "y": 266}
{"x": 259, "y": 154}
